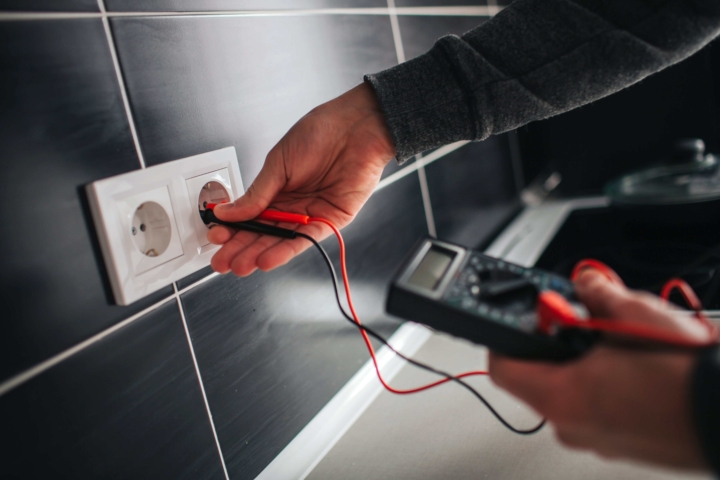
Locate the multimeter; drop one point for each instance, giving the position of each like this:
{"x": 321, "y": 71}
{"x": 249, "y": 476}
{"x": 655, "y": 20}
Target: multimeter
{"x": 485, "y": 300}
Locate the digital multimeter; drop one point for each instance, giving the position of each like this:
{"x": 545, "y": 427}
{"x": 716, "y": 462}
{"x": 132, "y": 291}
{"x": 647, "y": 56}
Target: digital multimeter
{"x": 483, "y": 299}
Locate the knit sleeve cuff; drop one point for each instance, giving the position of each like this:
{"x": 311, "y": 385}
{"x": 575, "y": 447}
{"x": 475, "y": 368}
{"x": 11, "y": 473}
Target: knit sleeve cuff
{"x": 706, "y": 405}
{"x": 424, "y": 105}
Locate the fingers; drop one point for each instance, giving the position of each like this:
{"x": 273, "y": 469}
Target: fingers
{"x": 245, "y": 252}
{"x": 283, "y": 252}
{"x": 595, "y": 291}
{"x": 608, "y": 300}
{"x": 532, "y": 382}
{"x": 222, "y": 260}
{"x": 245, "y": 262}
{"x": 220, "y": 235}
{"x": 263, "y": 190}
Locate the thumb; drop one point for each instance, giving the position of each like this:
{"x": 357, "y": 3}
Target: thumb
{"x": 606, "y": 299}
{"x": 601, "y": 296}
{"x": 257, "y": 198}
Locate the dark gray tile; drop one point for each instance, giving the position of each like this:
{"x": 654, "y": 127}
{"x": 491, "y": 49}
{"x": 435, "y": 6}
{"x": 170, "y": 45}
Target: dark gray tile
{"x": 419, "y": 33}
{"x": 198, "y": 83}
{"x": 128, "y": 406}
{"x": 472, "y": 191}
{"x": 273, "y": 348}
{"x": 214, "y": 5}
{"x": 49, "y": 5}
{"x": 62, "y": 125}
{"x": 194, "y": 277}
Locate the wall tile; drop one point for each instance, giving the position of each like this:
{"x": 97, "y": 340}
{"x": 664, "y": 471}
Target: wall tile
{"x": 472, "y": 191}
{"x": 419, "y": 33}
{"x": 198, "y": 84}
{"x": 62, "y": 125}
{"x": 128, "y": 406}
{"x": 273, "y": 348}
{"x": 49, "y": 5}
{"x": 211, "y": 5}
{"x": 194, "y": 277}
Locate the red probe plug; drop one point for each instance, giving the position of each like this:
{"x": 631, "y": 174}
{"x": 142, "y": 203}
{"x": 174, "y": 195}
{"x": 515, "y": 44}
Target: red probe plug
{"x": 276, "y": 216}
{"x": 554, "y": 310}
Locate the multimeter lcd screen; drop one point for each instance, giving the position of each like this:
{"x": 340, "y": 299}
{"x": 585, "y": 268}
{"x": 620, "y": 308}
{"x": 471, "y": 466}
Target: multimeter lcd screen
{"x": 432, "y": 268}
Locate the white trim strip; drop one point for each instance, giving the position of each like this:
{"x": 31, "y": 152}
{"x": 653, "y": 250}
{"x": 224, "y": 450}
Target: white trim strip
{"x": 311, "y": 445}
{"x": 479, "y": 11}
{"x": 121, "y": 82}
{"x": 427, "y": 204}
{"x": 420, "y": 162}
{"x": 200, "y": 380}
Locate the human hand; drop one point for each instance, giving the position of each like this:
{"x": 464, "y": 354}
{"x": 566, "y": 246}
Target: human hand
{"x": 327, "y": 166}
{"x": 616, "y": 401}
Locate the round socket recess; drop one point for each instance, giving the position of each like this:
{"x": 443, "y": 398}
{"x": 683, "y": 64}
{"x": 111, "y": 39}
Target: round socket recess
{"x": 151, "y": 229}
{"x": 212, "y": 192}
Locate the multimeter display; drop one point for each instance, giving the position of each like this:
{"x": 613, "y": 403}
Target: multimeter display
{"x": 483, "y": 299}
{"x": 431, "y": 268}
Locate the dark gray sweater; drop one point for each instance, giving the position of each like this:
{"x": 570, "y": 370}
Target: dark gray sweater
{"x": 533, "y": 60}
{"x": 539, "y": 58}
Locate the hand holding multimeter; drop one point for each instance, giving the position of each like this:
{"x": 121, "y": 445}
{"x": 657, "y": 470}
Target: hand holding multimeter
{"x": 520, "y": 312}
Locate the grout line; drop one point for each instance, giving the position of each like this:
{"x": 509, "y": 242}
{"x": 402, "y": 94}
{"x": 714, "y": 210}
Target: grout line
{"x": 479, "y": 11}
{"x": 199, "y": 377}
{"x": 427, "y": 204}
{"x": 423, "y": 162}
{"x": 121, "y": 82}
{"x": 397, "y": 37}
{"x": 422, "y": 178}
{"x": 30, "y": 373}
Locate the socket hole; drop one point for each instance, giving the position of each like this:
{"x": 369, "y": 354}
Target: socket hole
{"x": 212, "y": 192}
{"x": 151, "y": 229}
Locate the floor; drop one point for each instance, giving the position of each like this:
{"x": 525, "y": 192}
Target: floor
{"x": 446, "y": 433}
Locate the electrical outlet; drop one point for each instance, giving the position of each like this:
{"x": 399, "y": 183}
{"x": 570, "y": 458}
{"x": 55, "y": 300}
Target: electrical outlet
{"x": 214, "y": 187}
{"x": 148, "y": 221}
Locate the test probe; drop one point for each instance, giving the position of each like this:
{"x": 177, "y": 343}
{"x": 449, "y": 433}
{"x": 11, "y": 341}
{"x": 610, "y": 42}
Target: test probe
{"x": 522, "y": 312}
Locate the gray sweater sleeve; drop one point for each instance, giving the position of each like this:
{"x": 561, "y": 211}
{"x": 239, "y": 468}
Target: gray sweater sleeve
{"x": 533, "y": 60}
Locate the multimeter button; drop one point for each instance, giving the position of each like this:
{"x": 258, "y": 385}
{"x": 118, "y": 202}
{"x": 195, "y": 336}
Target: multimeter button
{"x": 557, "y": 284}
{"x": 501, "y": 265}
{"x": 475, "y": 290}
{"x": 483, "y": 309}
{"x": 515, "y": 269}
{"x": 468, "y": 302}
{"x": 456, "y": 290}
{"x": 472, "y": 278}
{"x": 475, "y": 261}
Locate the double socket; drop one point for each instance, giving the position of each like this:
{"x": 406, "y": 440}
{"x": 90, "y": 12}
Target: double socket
{"x": 148, "y": 221}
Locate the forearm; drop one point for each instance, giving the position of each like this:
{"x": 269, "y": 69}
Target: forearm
{"x": 535, "y": 59}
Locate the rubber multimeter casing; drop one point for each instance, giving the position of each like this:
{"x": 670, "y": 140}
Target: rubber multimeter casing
{"x": 483, "y": 299}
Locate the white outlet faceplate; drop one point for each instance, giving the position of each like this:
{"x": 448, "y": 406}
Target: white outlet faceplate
{"x": 148, "y": 221}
